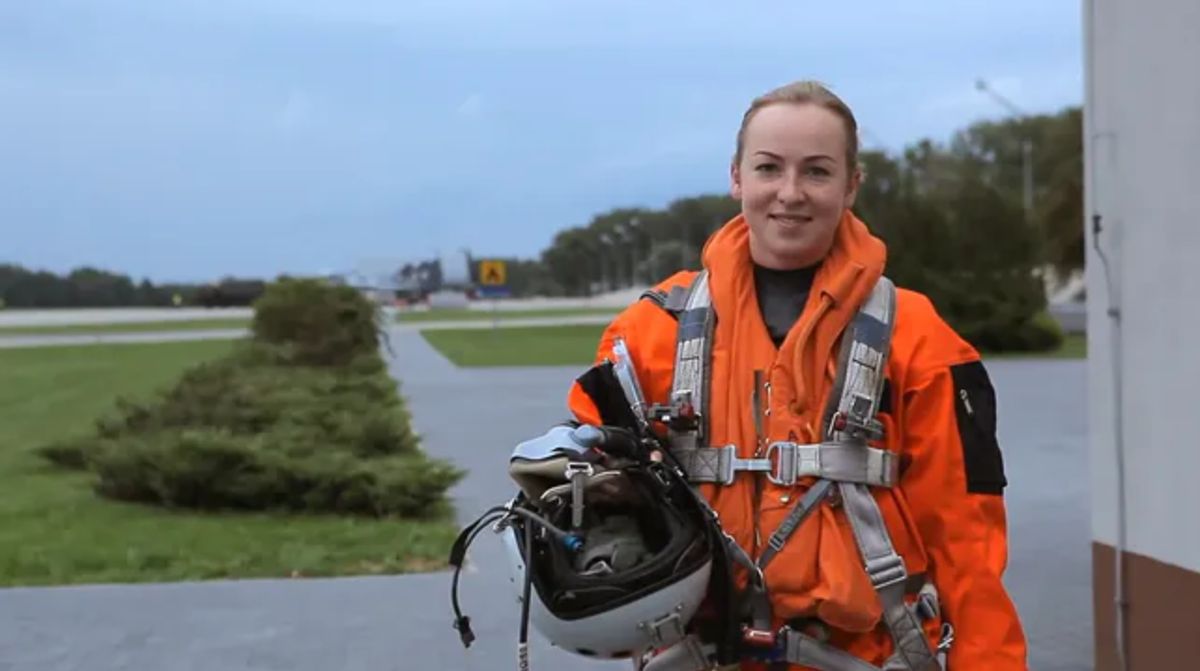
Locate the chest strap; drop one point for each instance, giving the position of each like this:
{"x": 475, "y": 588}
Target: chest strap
{"x": 787, "y": 462}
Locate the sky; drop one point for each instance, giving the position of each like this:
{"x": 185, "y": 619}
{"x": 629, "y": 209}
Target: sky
{"x": 194, "y": 139}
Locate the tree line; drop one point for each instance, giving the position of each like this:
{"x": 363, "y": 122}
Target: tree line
{"x": 90, "y": 287}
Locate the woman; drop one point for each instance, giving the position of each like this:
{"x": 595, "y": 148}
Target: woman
{"x": 785, "y": 278}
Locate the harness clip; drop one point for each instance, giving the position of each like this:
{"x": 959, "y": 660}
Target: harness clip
{"x": 759, "y": 638}
{"x": 763, "y": 645}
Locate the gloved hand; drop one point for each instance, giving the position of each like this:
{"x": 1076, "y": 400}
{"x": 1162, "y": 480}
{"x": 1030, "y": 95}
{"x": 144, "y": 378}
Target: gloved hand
{"x": 618, "y": 442}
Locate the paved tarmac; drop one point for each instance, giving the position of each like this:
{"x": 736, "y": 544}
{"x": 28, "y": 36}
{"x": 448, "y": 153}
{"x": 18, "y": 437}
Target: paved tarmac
{"x": 474, "y": 417}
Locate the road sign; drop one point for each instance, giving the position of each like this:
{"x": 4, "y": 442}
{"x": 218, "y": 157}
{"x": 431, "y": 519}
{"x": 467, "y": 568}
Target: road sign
{"x": 493, "y": 273}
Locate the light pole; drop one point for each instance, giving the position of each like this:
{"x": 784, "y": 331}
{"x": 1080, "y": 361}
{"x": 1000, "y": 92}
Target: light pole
{"x": 629, "y": 231}
{"x": 606, "y": 241}
{"x": 1026, "y": 149}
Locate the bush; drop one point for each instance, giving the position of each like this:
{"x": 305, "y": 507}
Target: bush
{"x": 996, "y": 311}
{"x": 316, "y": 324}
{"x": 282, "y": 423}
{"x": 210, "y": 469}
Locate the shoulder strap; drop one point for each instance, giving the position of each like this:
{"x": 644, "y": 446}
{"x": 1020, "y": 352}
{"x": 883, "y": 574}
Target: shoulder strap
{"x": 851, "y": 419}
{"x": 673, "y": 302}
{"x": 693, "y": 351}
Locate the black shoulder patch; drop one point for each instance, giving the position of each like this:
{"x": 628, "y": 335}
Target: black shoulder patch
{"x": 975, "y": 408}
{"x": 600, "y": 383}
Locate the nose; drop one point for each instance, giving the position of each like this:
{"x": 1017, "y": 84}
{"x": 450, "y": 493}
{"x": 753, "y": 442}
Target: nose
{"x": 791, "y": 189}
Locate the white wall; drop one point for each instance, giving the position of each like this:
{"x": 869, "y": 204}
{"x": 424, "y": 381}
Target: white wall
{"x": 1142, "y": 161}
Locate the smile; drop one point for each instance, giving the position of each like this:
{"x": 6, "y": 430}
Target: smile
{"x": 790, "y": 219}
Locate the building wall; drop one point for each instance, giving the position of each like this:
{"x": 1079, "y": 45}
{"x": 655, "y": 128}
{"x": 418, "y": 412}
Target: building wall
{"x": 1142, "y": 175}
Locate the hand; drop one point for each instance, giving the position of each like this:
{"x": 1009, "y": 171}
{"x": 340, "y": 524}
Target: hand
{"x": 617, "y": 442}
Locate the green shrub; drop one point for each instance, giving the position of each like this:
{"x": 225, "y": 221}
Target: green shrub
{"x": 216, "y": 470}
{"x": 303, "y": 417}
{"x": 995, "y": 311}
{"x": 315, "y": 323}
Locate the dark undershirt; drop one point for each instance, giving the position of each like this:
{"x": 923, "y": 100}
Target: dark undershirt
{"x": 781, "y": 297}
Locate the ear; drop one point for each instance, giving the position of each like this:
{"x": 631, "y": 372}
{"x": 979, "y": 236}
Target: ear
{"x": 852, "y": 187}
{"x": 735, "y": 180}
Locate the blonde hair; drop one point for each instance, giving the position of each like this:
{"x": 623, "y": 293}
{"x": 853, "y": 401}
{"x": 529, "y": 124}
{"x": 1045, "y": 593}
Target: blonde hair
{"x": 805, "y": 92}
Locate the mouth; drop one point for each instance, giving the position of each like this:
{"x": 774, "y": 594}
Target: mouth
{"x": 790, "y": 219}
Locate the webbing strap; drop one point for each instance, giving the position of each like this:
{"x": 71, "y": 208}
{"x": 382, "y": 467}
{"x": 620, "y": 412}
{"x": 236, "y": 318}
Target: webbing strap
{"x": 717, "y": 464}
{"x": 788, "y": 526}
{"x": 888, "y": 575}
{"x": 786, "y": 462}
{"x": 807, "y": 651}
{"x": 693, "y": 349}
{"x": 834, "y": 461}
{"x": 850, "y": 419}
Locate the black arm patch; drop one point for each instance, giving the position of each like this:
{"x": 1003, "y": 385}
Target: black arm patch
{"x": 975, "y": 408}
{"x": 601, "y": 385}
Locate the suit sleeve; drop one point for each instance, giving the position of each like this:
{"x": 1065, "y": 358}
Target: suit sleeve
{"x": 954, "y": 487}
{"x": 649, "y": 331}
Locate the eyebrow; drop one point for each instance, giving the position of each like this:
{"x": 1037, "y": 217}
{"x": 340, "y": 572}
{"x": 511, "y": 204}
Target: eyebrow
{"x": 777, "y": 157}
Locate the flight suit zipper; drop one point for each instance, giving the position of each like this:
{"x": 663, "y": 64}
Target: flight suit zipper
{"x": 762, "y": 414}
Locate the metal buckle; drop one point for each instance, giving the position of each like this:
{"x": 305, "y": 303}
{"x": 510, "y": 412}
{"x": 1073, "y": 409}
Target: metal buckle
{"x": 664, "y": 630}
{"x": 728, "y": 464}
{"x": 886, "y": 571}
{"x": 947, "y": 637}
{"x": 784, "y": 470}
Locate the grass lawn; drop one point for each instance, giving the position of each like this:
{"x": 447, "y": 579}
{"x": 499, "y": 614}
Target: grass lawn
{"x": 456, "y": 314}
{"x": 54, "y": 530}
{"x": 242, "y": 322}
{"x": 127, "y": 327}
{"x": 576, "y": 345}
{"x": 518, "y": 346}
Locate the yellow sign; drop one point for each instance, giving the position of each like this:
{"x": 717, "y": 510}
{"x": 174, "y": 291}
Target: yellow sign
{"x": 493, "y": 273}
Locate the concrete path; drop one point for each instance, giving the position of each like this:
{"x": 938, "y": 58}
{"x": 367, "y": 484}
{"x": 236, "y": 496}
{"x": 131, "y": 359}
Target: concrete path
{"x": 78, "y": 316}
{"x": 399, "y": 623}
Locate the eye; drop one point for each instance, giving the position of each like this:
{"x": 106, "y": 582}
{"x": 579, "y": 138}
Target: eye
{"x": 819, "y": 171}
{"x": 766, "y": 167}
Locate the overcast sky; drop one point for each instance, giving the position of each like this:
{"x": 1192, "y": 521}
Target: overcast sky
{"x": 190, "y": 139}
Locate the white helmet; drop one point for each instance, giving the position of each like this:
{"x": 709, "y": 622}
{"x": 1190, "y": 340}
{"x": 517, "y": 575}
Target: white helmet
{"x": 613, "y": 560}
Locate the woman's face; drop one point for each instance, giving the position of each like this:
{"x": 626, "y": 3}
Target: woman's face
{"x": 794, "y": 182}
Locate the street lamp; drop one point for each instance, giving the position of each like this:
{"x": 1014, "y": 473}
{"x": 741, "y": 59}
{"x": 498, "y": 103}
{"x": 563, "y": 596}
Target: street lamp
{"x": 606, "y": 240}
{"x": 629, "y": 232}
{"x": 1026, "y": 148}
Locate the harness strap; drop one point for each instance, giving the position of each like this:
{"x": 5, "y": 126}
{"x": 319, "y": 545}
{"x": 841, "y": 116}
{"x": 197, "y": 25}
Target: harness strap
{"x": 802, "y": 649}
{"x": 796, "y": 647}
{"x": 787, "y": 462}
{"x": 693, "y": 350}
{"x": 850, "y": 421}
{"x": 888, "y": 575}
